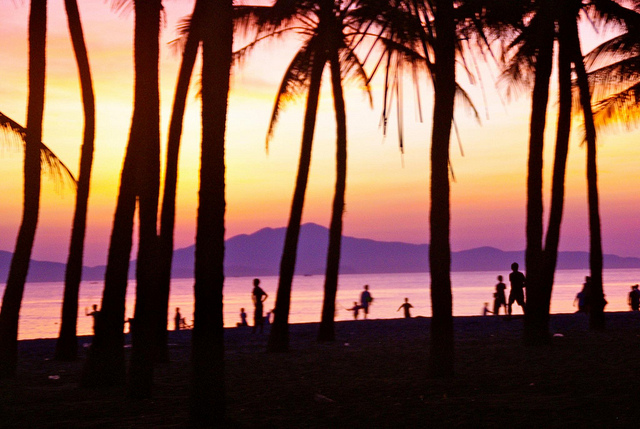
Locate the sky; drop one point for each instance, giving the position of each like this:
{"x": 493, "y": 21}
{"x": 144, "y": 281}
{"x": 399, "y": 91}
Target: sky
{"x": 387, "y": 192}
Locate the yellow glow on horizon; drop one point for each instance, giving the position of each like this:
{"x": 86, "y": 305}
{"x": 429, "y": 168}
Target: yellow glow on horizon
{"x": 387, "y": 193}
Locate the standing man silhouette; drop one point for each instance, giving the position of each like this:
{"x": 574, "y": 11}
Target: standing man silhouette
{"x": 95, "y": 314}
{"x": 517, "y": 280}
{"x": 365, "y": 300}
{"x": 177, "y": 319}
{"x": 406, "y": 306}
{"x": 259, "y": 297}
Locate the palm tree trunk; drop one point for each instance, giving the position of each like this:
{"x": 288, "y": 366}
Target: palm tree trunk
{"x": 327, "y": 326}
{"x": 208, "y": 390}
{"x": 560, "y": 164}
{"x": 12, "y": 299}
{"x": 105, "y": 364}
{"x": 167, "y": 217}
{"x": 442, "y": 348}
{"x": 535, "y": 329}
{"x": 279, "y": 336}
{"x": 145, "y": 334}
{"x": 67, "y": 344}
{"x": 596, "y": 294}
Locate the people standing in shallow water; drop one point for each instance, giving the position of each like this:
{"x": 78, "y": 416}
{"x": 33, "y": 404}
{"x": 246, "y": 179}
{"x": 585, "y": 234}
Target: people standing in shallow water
{"x": 499, "y": 297}
{"x": 634, "y": 298}
{"x": 516, "y": 294}
{"x": 365, "y": 300}
{"x": 406, "y": 306}
{"x": 258, "y": 296}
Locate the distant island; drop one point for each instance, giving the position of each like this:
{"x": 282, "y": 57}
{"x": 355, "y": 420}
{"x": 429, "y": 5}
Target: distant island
{"x": 258, "y": 254}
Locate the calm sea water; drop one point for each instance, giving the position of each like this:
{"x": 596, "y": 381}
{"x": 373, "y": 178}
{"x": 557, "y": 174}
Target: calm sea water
{"x": 41, "y": 307}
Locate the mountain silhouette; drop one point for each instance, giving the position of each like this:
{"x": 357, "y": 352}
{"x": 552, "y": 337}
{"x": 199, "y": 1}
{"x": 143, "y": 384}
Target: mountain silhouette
{"x": 258, "y": 254}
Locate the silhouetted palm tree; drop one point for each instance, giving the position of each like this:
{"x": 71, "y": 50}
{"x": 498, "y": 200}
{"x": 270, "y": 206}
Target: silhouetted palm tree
{"x": 323, "y": 24}
{"x": 534, "y": 56}
{"x": 536, "y": 42}
{"x": 622, "y": 73}
{"x": 67, "y": 344}
{"x": 208, "y": 391}
{"x": 139, "y": 180}
{"x": 167, "y": 215}
{"x": 425, "y": 34}
{"x": 10, "y": 313}
{"x": 145, "y": 333}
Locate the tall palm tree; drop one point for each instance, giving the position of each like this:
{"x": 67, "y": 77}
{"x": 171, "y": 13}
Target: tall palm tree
{"x": 621, "y": 78}
{"x": 441, "y": 356}
{"x": 105, "y": 364}
{"x": 148, "y": 304}
{"x": 342, "y": 59}
{"x": 323, "y": 24}
{"x": 10, "y": 312}
{"x": 566, "y": 25}
{"x": 425, "y": 34}
{"x": 535, "y": 49}
{"x": 167, "y": 215}
{"x": 208, "y": 391}
{"x": 67, "y": 344}
{"x": 596, "y": 294}
{"x": 536, "y": 41}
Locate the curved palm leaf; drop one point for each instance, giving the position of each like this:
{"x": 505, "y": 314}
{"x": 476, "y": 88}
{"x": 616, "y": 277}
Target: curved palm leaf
{"x": 293, "y": 84}
{"x": 16, "y": 133}
{"x": 620, "y": 109}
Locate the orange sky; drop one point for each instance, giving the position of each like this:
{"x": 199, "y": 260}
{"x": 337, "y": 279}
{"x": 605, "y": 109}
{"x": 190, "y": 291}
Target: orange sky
{"x": 387, "y": 194}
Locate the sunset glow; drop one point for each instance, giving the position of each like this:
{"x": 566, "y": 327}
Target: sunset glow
{"x": 387, "y": 192}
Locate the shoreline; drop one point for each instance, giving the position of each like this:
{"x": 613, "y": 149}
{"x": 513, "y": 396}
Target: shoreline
{"x": 462, "y": 320}
{"x": 373, "y": 375}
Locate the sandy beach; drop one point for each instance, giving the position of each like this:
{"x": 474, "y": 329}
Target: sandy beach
{"x": 373, "y": 376}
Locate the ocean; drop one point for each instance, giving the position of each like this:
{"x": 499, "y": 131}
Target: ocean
{"x": 42, "y": 302}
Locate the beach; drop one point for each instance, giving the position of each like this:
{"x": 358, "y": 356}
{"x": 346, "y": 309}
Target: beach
{"x": 374, "y": 375}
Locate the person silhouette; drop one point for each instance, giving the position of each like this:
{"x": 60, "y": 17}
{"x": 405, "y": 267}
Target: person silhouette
{"x": 499, "y": 298}
{"x": 177, "y": 319}
{"x": 243, "y": 318}
{"x": 581, "y": 299}
{"x": 406, "y": 306}
{"x": 95, "y": 314}
{"x": 634, "y": 298}
{"x": 485, "y": 309}
{"x": 356, "y": 310}
{"x": 516, "y": 294}
{"x": 258, "y": 296}
{"x": 365, "y": 300}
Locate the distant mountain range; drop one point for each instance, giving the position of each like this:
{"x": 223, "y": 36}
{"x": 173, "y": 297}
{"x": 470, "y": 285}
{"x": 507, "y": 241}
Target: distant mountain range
{"x": 258, "y": 254}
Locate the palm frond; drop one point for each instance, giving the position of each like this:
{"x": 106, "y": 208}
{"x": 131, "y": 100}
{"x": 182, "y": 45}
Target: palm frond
{"x": 615, "y": 77}
{"x": 13, "y": 133}
{"x": 612, "y": 14}
{"x": 352, "y": 67}
{"x": 619, "y": 110}
{"x": 462, "y": 97}
{"x": 618, "y": 48}
{"x": 293, "y": 83}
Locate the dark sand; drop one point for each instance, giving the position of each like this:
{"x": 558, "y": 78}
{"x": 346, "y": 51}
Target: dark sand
{"x": 374, "y": 376}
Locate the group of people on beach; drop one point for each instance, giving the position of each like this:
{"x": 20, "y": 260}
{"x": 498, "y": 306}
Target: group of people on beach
{"x": 259, "y": 296}
{"x": 365, "y": 301}
{"x": 517, "y": 282}
{"x": 516, "y": 294}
